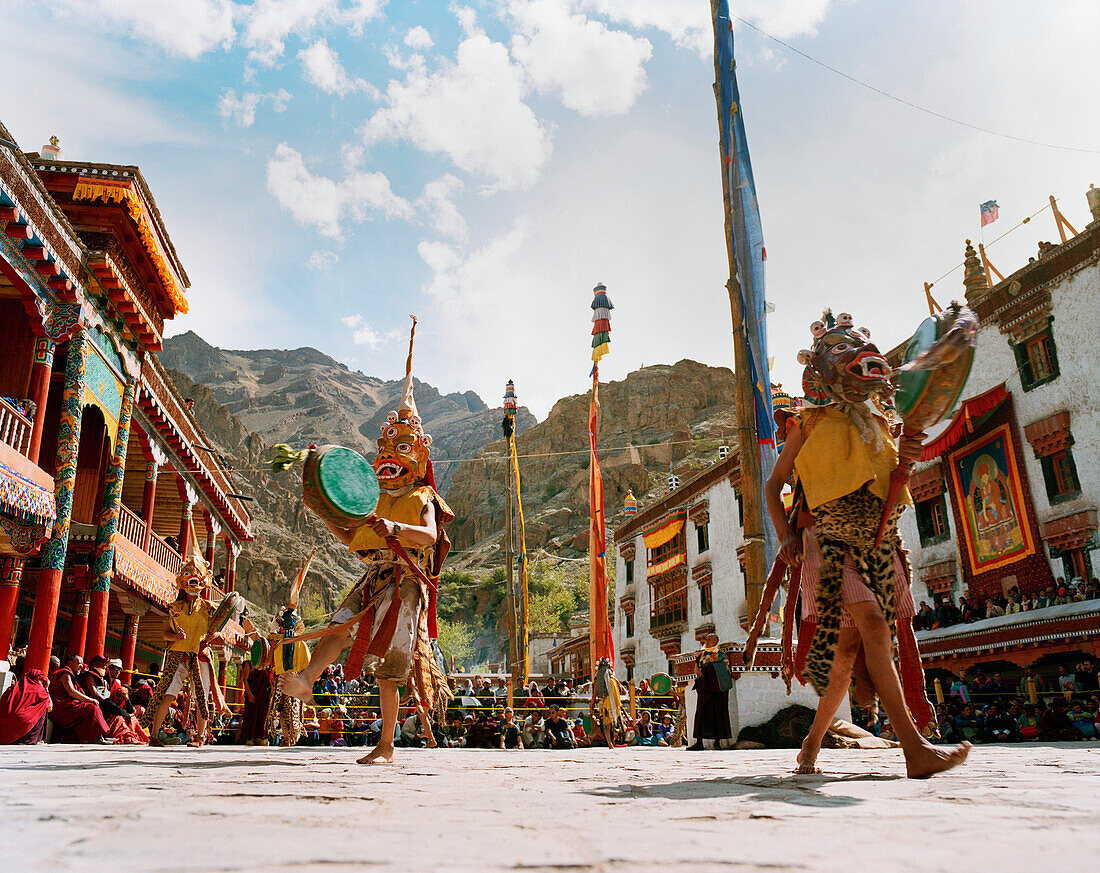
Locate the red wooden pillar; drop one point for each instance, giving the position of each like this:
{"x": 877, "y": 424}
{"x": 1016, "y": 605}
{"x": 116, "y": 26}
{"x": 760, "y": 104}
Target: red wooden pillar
{"x": 48, "y": 588}
{"x": 129, "y": 646}
{"x": 208, "y": 554}
{"x": 223, "y": 677}
{"x": 96, "y": 641}
{"x": 230, "y": 565}
{"x": 40, "y": 391}
{"x": 148, "y": 496}
{"x": 78, "y": 626}
{"x": 11, "y": 572}
{"x": 186, "y": 522}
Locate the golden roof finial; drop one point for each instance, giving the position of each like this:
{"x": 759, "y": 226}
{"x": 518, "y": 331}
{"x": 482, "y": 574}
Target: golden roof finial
{"x": 974, "y": 278}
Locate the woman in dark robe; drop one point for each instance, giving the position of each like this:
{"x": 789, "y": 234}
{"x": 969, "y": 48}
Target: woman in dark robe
{"x": 76, "y": 717}
{"x": 257, "y": 701}
{"x": 712, "y": 714}
{"x": 23, "y": 710}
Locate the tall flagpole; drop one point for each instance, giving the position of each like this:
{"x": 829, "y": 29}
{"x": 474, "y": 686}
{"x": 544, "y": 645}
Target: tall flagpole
{"x": 518, "y": 608}
{"x": 599, "y": 625}
{"x": 747, "y": 437}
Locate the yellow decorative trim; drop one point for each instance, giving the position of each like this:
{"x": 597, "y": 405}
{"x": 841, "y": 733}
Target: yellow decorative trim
{"x": 121, "y": 192}
{"x": 667, "y": 564}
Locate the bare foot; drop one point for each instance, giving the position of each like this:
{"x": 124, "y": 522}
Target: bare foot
{"x": 293, "y": 685}
{"x": 807, "y": 759}
{"x": 929, "y": 760}
{"x": 380, "y": 754}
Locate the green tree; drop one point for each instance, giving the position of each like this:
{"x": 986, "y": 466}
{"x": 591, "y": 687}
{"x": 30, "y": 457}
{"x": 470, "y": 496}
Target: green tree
{"x": 456, "y": 639}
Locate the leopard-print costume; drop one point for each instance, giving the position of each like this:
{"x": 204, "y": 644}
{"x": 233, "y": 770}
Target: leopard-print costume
{"x": 847, "y": 526}
{"x": 289, "y": 711}
{"x": 171, "y": 664}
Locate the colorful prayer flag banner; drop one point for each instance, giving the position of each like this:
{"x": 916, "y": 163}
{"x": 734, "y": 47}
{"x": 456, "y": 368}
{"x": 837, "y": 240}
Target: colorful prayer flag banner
{"x": 990, "y": 212}
{"x": 748, "y": 234}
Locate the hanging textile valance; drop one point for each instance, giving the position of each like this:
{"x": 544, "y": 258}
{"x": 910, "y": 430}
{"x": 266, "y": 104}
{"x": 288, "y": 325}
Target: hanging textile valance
{"x": 667, "y": 564}
{"x": 660, "y": 532}
{"x": 964, "y": 421}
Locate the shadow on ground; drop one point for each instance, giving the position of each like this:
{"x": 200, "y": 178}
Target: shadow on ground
{"x": 796, "y": 790}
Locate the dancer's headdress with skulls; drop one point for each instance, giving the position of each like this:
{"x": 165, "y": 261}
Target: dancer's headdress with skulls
{"x": 193, "y": 576}
{"x": 843, "y": 365}
{"x": 404, "y": 450}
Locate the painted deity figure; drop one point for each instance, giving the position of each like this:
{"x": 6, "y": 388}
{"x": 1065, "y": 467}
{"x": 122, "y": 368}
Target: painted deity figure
{"x": 841, "y": 447}
{"x": 388, "y": 618}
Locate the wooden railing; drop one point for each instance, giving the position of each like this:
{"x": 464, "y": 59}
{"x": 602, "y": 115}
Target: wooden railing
{"x": 164, "y": 555}
{"x": 131, "y": 526}
{"x": 15, "y": 428}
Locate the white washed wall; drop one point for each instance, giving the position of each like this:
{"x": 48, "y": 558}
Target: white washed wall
{"x": 1076, "y": 328}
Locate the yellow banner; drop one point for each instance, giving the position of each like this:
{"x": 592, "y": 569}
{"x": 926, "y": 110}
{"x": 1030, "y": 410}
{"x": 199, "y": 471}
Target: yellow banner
{"x": 666, "y": 530}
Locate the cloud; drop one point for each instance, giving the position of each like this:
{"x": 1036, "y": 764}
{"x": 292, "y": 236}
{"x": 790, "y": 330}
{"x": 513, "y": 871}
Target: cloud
{"x": 689, "y": 23}
{"x": 322, "y": 202}
{"x": 363, "y": 334}
{"x": 471, "y": 110}
{"x": 322, "y": 259}
{"x": 188, "y": 28}
{"x": 269, "y": 23}
{"x": 466, "y": 286}
{"x": 438, "y": 204}
{"x": 597, "y": 70}
{"x": 419, "y": 38}
{"x": 322, "y": 68}
{"x": 242, "y": 110}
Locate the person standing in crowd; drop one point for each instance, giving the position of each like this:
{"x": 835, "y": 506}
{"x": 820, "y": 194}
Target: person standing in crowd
{"x": 24, "y": 708}
{"x": 712, "y": 715}
{"x": 257, "y": 684}
{"x": 75, "y": 715}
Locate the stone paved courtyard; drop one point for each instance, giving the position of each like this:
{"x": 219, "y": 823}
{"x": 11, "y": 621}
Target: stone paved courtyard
{"x": 80, "y": 808}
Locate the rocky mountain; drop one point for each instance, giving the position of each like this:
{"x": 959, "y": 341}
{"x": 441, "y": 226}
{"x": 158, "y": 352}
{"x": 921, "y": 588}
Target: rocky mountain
{"x": 283, "y": 528}
{"x": 303, "y": 396}
{"x": 657, "y": 416}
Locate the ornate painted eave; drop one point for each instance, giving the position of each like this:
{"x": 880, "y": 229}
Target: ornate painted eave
{"x": 85, "y": 189}
{"x": 162, "y": 409}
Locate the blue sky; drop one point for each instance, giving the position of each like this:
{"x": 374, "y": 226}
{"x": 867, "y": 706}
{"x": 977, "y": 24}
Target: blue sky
{"x": 326, "y": 167}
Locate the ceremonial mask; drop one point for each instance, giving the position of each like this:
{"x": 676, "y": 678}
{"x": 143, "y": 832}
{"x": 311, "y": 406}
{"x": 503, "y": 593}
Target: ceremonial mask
{"x": 403, "y": 452}
{"x": 192, "y": 577}
{"x": 843, "y": 363}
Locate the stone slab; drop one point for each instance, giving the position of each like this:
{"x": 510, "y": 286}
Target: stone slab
{"x": 228, "y": 809}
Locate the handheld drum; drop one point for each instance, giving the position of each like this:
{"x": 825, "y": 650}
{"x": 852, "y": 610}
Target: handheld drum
{"x": 930, "y": 380}
{"x": 230, "y": 606}
{"x": 660, "y": 683}
{"x": 338, "y": 484}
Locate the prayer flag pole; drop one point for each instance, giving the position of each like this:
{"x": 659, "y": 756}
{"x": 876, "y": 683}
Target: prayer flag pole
{"x": 751, "y": 377}
{"x": 521, "y": 662}
{"x": 599, "y": 624}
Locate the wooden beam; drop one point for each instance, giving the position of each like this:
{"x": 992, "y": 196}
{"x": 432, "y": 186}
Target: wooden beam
{"x": 34, "y": 253}
{"x": 48, "y": 268}
{"x": 60, "y": 283}
{"x": 18, "y": 231}
{"x": 9, "y": 213}
{"x": 989, "y": 268}
{"x": 1060, "y": 220}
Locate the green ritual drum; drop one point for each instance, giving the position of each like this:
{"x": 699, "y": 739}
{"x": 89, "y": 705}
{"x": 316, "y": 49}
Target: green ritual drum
{"x": 258, "y": 653}
{"x": 339, "y": 485}
{"x": 935, "y": 367}
{"x": 660, "y": 683}
{"x": 230, "y": 606}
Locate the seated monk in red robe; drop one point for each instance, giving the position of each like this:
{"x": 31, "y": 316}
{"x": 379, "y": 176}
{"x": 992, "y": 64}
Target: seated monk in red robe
{"x": 76, "y": 716}
{"x": 23, "y": 710}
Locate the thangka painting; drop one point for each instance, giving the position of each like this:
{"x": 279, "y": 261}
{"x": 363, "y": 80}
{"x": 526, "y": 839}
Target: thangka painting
{"x": 989, "y": 495}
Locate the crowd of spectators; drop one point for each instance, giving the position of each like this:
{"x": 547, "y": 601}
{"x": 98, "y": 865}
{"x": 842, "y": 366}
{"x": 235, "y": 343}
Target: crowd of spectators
{"x": 946, "y": 612}
{"x": 85, "y": 703}
{"x": 553, "y": 716}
